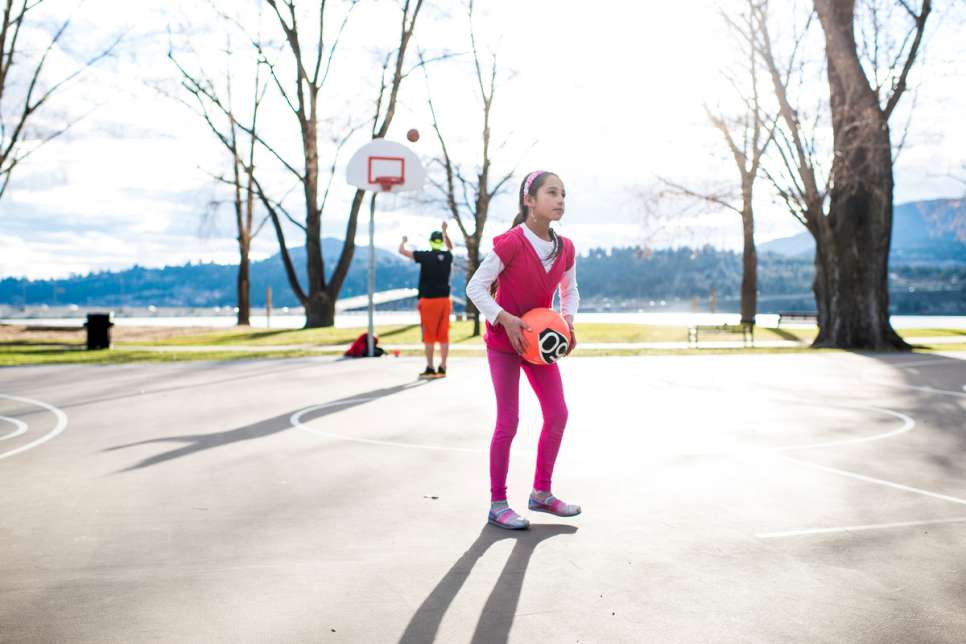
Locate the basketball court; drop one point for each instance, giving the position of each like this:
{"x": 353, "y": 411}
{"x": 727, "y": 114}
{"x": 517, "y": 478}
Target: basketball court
{"x": 761, "y": 498}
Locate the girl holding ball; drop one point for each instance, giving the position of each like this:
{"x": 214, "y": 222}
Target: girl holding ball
{"x": 527, "y": 264}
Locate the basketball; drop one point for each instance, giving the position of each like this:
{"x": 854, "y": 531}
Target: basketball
{"x": 413, "y": 135}
{"x": 549, "y": 340}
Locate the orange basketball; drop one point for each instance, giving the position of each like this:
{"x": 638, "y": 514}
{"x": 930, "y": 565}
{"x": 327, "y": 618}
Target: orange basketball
{"x": 413, "y": 135}
{"x": 549, "y": 340}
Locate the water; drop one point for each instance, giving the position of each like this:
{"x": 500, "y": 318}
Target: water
{"x": 359, "y": 320}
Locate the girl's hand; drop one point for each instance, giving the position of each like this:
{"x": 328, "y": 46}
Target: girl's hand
{"x": 573, "y": 341}
{"x": 514, "y": 327}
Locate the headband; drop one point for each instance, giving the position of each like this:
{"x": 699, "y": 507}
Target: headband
{"x": 529, "y": 181}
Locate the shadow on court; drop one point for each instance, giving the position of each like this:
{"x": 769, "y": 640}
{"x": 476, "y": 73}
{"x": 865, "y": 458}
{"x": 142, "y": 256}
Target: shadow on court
{"x": 936, "y": 391}
{"x": 496, "y": 619}
{"x": 194, "y": 443}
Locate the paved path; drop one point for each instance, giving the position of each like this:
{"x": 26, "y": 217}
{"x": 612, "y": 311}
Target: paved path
{"x": 477, "y": 347}
{"x": 753, "y": 498}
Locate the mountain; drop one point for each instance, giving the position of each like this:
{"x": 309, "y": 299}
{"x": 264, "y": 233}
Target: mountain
{"x": 207, "y": 284}
{"x": 927, "y": 275}
{"x": 921, "y": 234}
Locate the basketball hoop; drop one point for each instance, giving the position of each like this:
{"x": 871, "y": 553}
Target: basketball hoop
{"x": 386, "y": 171}
{"x": 382, "y": 166}
{"x": 385, "y": 166}
{"x": 386, "y": 183}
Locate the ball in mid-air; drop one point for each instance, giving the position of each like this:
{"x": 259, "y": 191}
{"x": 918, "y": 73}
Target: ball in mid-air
{"x": 413, "y": 135}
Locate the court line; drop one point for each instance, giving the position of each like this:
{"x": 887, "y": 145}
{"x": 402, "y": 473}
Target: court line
{"x": 907, "y": 425}
{"x": 924, "y": 363}
{"x": 296, "y": 422}
{"x": 19, "y": 427}
{"x": 869, "y": 377}
{"x": 870, "y": 479}
{"x": 856, "y": 528}
{"x": 58, "y": 428}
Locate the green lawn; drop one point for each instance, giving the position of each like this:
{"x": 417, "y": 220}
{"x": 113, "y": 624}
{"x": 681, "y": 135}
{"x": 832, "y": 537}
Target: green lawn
{"x": 59, "y": 354}
{"x": 305, "y": 342}
{"x": 460, "y": 333}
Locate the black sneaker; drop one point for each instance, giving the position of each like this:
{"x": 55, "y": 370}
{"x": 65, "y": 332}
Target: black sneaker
{"x": 429, "y": 373}
{"x": 441, "y": 372}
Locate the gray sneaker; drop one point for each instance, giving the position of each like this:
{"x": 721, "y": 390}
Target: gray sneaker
{"x": 507, "y": 519}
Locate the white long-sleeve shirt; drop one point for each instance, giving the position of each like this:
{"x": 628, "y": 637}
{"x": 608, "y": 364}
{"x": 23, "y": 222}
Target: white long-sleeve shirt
{"x": 478, "y": 289}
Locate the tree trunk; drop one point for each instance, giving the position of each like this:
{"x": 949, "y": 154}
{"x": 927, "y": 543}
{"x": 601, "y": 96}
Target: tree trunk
{"x": 472, "y": 263}
{"x": 855, "y": 237}
{"x": 821, "y": 289}
{"x": 319, "y": 311}
{"x": 749, "y": 267}
{"x": 244, "y": 285}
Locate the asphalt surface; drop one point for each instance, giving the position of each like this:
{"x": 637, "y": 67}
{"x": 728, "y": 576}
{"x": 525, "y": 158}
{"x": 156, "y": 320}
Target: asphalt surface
{"x": 753, "y": 498}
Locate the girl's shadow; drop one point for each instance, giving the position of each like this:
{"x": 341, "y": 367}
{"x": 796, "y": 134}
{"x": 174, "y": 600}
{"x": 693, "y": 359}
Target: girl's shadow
{"x": 497, "y": 616}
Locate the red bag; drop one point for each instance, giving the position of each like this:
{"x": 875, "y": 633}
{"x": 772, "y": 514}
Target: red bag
{"x": 359, "y": 348}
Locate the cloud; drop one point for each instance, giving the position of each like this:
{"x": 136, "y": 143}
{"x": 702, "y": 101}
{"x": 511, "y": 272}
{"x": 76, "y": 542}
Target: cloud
{"x": 610, "y": 99}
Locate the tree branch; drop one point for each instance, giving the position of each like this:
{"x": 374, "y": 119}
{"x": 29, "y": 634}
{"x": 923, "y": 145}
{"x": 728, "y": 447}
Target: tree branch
{"x": 900, "y": 85}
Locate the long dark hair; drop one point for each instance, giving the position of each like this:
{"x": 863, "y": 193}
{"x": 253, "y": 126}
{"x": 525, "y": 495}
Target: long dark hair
{"x": 538, "y": 181}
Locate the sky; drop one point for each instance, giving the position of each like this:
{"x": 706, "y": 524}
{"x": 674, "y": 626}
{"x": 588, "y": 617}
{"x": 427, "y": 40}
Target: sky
{"x": 611, "y": 98}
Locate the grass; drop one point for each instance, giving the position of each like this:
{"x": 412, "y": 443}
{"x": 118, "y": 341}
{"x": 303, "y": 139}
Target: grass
{"x": 460, "y": 334}
{"x": 22, "y": 356}
{"x": 24, "y": 349}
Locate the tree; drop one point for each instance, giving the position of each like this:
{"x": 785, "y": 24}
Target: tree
{"x": 475, "y": 194}
{"x": 309, "y": 65}
{"x": 223, "y": 117}
{"x": 25, "y": 89}
{"x": 303, "y": 101}
{"x": 850, "y": 216}
{"x": 747, "y": 137}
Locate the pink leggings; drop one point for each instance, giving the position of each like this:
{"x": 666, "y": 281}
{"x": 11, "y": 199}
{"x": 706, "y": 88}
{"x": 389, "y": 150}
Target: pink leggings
{"x": 545, "y": 380}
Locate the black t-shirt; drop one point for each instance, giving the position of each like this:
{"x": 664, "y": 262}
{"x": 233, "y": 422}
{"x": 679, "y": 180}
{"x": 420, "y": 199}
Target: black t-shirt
{"x": 434, "y": 270}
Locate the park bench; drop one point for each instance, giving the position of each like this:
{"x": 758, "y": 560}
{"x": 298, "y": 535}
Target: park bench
{"x": 797, "y": 316}
{"x": 746, "y": 329}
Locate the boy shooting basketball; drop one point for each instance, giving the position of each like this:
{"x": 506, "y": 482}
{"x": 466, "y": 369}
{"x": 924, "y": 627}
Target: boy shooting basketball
{"x": 434, "y": 305}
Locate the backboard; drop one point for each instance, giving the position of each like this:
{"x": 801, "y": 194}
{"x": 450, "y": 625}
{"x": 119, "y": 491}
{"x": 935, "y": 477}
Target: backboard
{"x": 385, "y": 166}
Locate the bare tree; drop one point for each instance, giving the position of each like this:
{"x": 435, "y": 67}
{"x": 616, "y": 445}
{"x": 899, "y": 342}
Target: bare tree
{"x": 311, "y": 63}
{"x": 747, "y": 136}
{"x": 850, "y": 216}
{"x": 223, "y": 118}
{"x": 466, "y": 198}
{"x": 659, "y": 213}
{"x": 319, "y": 299}
{"x": 25, "y": 86}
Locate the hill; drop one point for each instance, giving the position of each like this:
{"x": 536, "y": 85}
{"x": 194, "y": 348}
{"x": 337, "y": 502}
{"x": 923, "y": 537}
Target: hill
{"x": 205, "y": 284}
{"x": 928, "y": 274}
{"x": 921, "y": 234}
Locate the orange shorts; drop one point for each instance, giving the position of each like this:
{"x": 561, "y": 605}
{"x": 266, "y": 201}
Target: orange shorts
{"x": 434, "y": 318}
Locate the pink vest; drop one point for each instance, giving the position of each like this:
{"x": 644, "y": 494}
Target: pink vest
{"x": 524, "y": 284}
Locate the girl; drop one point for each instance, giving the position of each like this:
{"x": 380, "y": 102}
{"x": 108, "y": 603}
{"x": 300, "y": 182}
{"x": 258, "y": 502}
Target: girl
{"x": 527, "y": 263}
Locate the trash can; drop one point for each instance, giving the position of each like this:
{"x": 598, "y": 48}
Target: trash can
{"x": 98, "y": 327}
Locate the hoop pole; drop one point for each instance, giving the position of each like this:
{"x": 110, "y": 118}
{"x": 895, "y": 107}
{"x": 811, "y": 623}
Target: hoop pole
{"x": 370, "y": 342}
